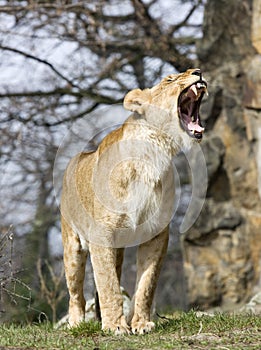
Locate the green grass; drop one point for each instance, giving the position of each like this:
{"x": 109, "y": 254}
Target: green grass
{"x": 179, "y": 331}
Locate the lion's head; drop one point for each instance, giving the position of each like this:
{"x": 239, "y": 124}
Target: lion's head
{"x": 178, "y": 95}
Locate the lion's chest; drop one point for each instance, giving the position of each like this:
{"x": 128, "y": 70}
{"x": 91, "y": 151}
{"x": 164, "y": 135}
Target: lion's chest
{"x": 134, "y": 203}
{"x": 126, "y": 196}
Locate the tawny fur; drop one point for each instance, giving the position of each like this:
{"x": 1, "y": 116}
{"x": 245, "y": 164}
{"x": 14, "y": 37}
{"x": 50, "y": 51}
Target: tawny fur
{"x": 122, "y": 194}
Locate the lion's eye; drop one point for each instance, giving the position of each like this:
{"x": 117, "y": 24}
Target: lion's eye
{"x": 197, "y": 72}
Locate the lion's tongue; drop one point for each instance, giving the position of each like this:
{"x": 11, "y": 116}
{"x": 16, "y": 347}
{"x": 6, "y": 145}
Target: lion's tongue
{"x": 194, "y": 126}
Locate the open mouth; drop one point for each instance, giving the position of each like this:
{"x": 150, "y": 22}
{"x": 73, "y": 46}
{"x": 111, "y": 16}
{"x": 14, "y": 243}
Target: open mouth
{"x": 188, "y": 109}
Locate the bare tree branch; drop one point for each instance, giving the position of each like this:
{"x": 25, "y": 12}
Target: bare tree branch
{"x": 184, "y": 22}
{"x": 27, "y": 55}
{"x": 98, "y": 98}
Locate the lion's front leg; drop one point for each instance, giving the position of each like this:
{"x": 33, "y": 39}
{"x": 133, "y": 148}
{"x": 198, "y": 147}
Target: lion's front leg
{"x": 149, "y": 260}
{"x": 106, "y": 274}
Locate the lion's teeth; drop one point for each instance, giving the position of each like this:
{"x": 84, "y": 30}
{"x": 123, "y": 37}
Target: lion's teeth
{"x": 194, "y": 89}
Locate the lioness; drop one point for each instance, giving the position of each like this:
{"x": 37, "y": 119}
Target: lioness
{"x": 123, "y": 193}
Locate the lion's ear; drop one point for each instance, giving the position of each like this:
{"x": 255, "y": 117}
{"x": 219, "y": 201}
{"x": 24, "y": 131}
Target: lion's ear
{"x": 136, "y": 100}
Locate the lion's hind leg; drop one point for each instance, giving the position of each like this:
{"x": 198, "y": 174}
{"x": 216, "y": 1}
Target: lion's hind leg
{"x": 74, "y": 263}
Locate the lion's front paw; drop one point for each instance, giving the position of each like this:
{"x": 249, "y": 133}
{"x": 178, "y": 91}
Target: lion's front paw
{"x": 142, "y": 327}
{"x": 122, "y": 330}
{"x": 118, "y": 328}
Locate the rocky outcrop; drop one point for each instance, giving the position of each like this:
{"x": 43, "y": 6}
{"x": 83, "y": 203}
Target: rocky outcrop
{"x": 222, "y": 252}
{"x": 253, "y": 306}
